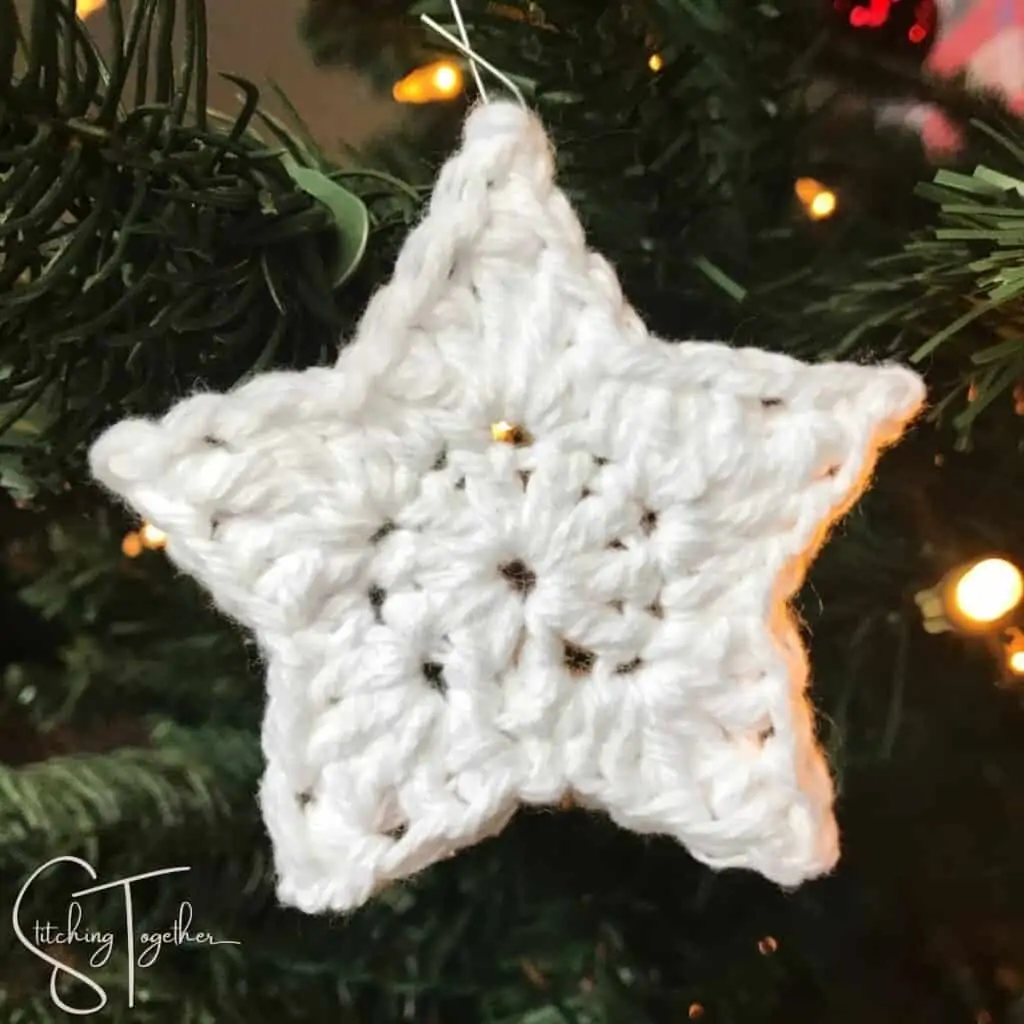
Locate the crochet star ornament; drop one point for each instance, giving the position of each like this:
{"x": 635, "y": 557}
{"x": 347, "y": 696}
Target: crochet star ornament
{"x": 512, "y": 547}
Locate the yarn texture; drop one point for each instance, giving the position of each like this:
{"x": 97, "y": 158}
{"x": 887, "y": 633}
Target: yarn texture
{"x": 512, "y": 547}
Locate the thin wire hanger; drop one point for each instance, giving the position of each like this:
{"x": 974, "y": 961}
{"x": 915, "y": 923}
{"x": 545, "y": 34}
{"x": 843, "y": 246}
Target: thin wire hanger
{"x": 475, "y": 60}
{"x": 464, "y": 37}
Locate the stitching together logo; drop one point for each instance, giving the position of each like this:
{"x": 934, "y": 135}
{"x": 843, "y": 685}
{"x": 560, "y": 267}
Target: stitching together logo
{"x": 142, "y": 948}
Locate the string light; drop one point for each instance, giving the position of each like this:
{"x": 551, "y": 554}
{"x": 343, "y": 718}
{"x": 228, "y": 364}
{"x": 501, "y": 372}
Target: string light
{"x": 147, "y": 538}
{"x": 973, "y": 599}
{"x": 656, "y": 62}
{"x": 872, "y": 16}
{"x": 875, "y": 14}
{"x": 1014, "y": 652}
{"x": 822, "y": 206}
{"x": 818, "y": 200}
{"x": 695, "y": 1012}
{"x": 988, "y": 590}
{"x": 431, "y": 83}
{"x": 768, "y": 945}
{"x": 83, "y": 8}
{"x": 982, "y": 600}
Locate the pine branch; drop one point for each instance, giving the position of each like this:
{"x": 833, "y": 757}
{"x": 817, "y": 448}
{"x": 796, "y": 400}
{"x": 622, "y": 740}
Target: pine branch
{"x": 145, "y": 243}
{"x": 184, "y": 780}
{"x": 965, "y": 273}
{"x": 131, "y": 637}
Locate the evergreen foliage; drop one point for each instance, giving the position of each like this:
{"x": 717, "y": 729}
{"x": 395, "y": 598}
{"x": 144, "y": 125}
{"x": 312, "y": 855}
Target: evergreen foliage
{"x": 149, "y": 246}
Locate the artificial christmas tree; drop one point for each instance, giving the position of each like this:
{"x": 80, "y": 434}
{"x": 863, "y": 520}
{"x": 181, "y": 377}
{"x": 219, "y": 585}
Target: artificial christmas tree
{"x": 133, "y": 230}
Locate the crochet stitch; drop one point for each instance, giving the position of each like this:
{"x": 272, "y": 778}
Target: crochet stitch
{"x": 511, "y": 546}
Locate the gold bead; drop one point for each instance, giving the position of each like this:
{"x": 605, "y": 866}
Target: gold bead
{"x": 510, "y": 433}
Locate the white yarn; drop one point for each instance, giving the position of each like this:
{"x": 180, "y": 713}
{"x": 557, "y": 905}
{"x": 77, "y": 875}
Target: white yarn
{"x": 357, "y": 518}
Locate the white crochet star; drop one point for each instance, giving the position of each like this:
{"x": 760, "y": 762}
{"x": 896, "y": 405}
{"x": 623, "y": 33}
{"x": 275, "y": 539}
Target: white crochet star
{"x": 512, "y": 547}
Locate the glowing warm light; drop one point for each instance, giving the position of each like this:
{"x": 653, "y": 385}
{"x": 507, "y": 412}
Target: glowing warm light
{"x": 768, "y": 945}
{"x": 147, "y": 537}
{"x": 446, "y": 79}
{"x": 83, "y": 8}
{"x": 874, "y": 15}
{"x": 695, "y": 1012}
{"x": 818, "y": 200}
{"x": 441, "y": 80}
{"x": 988, "y": 590}
{"x": 1013, "y": 649}
{"x": 153, "y": 537}
{"x": 656, "y": 62}
{"x": 917, "y": 34}
{"x": 822, "y": 205}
